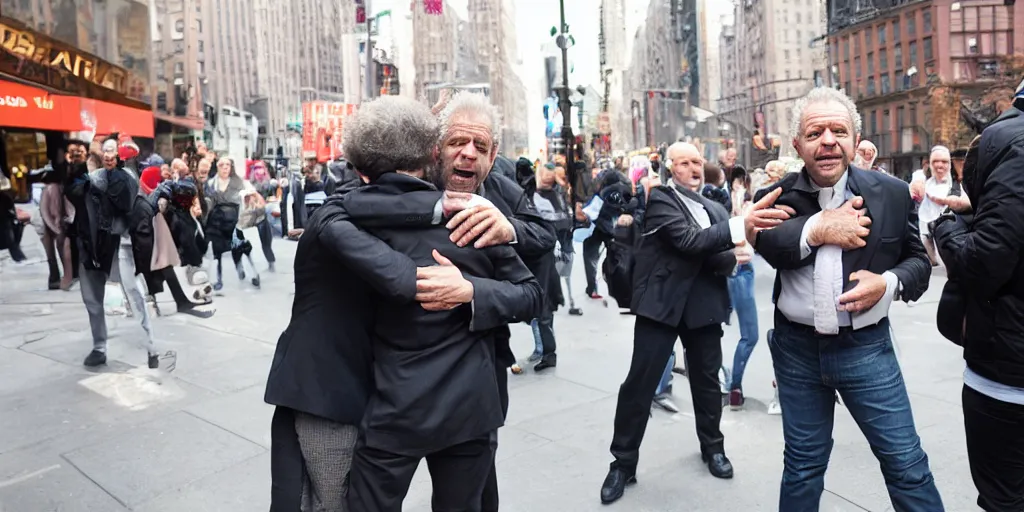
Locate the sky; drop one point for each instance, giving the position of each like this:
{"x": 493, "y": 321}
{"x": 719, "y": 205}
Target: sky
{"x": 534, "y": 20}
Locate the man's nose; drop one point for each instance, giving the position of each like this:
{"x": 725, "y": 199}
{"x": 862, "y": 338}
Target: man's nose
{"x": 469, "y": 151}
{"x": 828, "y": 137}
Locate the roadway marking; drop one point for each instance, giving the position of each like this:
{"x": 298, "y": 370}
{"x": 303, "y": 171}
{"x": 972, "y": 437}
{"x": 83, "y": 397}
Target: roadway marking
{"x": 28, "y": 476}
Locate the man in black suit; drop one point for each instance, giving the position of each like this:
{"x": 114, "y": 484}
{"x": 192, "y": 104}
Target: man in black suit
{"x": 679, "y": 290}
{"x": 471, "y": 131}
{"x": 435, "y": 392}
{"x": 321, "y": 377}
{"x": 851, "y": 248}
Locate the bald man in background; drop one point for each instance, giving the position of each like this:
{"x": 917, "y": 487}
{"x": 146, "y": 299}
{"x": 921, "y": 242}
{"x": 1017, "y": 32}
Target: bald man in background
{"x": 688, "y": 250}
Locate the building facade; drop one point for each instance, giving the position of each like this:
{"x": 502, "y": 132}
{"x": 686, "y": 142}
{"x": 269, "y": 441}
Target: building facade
{"x": 179, "y": 70}
{"x": 435, "y": 52}
{"x": 664, "y": 73}
{"x": 493, "y": 24}
{"x": 615, "y": 69}
{"x": 79, "y": 69}
{"x": 893, "y": 59}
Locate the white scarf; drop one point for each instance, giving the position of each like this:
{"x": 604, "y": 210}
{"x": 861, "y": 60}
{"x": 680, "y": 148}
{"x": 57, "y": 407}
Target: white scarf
{"x": 828, "y": 272}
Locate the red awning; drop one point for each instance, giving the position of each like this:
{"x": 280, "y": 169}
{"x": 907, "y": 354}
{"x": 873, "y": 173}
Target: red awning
{"x": 113, "y": 118}
{"x": 22, "y": 106}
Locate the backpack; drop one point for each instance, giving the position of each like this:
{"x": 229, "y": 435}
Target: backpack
{"x": 619, "y": 262}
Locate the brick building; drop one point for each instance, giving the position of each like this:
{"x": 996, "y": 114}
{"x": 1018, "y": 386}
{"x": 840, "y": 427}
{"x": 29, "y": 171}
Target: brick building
{"x": 891, "y": 59}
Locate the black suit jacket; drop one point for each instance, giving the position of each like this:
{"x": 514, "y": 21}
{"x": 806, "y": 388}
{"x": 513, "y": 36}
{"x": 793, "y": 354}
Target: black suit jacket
{"x": 894, "y": 243}
{"x": 535, "y": 237}
{"x": 434, "y": 370}
{"x": 680, "y": 269}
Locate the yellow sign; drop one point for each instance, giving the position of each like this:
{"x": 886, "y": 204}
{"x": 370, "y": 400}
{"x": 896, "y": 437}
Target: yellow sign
{"x": 51, "y": 53}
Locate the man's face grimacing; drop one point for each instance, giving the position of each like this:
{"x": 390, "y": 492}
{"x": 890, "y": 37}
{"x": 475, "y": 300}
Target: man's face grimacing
{"x": 687, "y": 167}
{"x": 939, "y": 162}
{"x": 826, "y": 141}
{"x": 467, "y": 153}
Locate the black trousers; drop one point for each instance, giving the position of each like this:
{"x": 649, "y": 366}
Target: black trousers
{"x": 591, "y": 255}
{"x": 266, "y": 238}
{"x": 490, "y": 494}
{"x": 995, "y": 449}
{"x": 287, "y": 470}
{"x": 652, "y": 346}
{"x": 546, "y": 326}
{"x": 379, "y": 480}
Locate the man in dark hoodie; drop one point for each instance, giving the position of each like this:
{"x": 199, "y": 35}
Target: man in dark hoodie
{"x": 981, "y": 249}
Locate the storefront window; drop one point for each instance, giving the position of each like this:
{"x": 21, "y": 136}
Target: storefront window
{"x": 25, "y": 151}
{"x": 114, "y": 30}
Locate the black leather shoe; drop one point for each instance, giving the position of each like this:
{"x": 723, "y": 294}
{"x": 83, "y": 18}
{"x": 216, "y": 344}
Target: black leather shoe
{"x": 718, "y": 465}
{"x": 615, "y": 484}
{"x": 549, "y": 361}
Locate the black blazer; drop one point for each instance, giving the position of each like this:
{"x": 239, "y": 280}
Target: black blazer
{"x": 323, "y": 361}
{"x": 677, "y": 260}
{"x": 428, "y": 365}
{"x": 894, "y": 243}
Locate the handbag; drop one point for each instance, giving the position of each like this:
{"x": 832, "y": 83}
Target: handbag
{"x": 252, "y": 212}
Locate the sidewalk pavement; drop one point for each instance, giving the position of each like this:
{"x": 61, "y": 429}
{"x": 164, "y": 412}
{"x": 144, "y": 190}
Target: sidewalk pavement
{"x": 128, "y": 438}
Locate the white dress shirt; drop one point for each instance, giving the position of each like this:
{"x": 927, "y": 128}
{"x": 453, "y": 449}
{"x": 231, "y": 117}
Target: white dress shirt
{"x": 796, "y": 296}
{"x": 736, "y": 228}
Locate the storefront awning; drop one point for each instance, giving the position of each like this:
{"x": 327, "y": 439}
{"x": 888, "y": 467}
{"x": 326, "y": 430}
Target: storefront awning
{"x": 22, "y": 106}
{"x": 113, "y": 118}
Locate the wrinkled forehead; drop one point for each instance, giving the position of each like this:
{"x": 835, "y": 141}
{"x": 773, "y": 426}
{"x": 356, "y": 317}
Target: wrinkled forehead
{"x": 939, "y": 155}
{"x": 826, "y": 113}
{"x": 470, "y": 124}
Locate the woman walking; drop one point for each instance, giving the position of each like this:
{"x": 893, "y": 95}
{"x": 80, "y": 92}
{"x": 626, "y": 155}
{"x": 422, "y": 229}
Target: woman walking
{"x": 225, "y": 193}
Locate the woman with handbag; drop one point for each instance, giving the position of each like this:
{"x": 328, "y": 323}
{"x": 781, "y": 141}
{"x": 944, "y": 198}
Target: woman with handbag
{"x": 227, "y": 193}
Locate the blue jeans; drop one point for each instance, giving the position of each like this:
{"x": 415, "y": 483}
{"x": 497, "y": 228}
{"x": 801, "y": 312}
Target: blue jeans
{"x": 741, "y": 294}
{"x": 666, "y": 377}
{"x": 861, "y": 365}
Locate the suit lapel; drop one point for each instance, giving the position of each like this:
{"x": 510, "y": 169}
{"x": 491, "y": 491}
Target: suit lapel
{"x": 869, "y": 188}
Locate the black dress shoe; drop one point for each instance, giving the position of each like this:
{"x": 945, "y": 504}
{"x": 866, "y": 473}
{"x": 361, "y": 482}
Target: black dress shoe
{"x": 546, "y": 362}
{"x": 95, "y": 358}
{"x": 718, "y": 465}
{"x": 615, "y": 484}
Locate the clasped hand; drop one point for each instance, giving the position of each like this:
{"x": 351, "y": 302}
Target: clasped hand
{"x": 846, "y": 226}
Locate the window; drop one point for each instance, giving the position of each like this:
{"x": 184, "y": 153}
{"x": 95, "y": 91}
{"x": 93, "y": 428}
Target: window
{"x": 886, "y": 125}
{"x": 798, "y": 20}
{"x": 927, "y": 17}
{"x": 886, "y": 84}
{"x": 895, "y": 31}
{"x": 899, "y": 118}
{"x": 912, "y": 25}
{"x": 897, "y": 56}
{"x": 883, "y": 61}
{"x": 786, "y": 54}
{"x": 881, "y": 35}
{"x": 179, "y": 68}
{"x": 869, "y": 43}
{"x": 927, "y": 49}
{"x": 913, "y": 53}
{"x": 871, "y": 64}
{"x": 846, "y": 49}
{"x": 856, "y": 44}
{"x": 200, "y": 47}
{"x": 871, "y": 86}
{"x": 873, "y": 121}
{"x": 856, "y": 66}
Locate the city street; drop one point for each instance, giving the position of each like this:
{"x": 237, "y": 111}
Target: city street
{"x": 129, "y": 438}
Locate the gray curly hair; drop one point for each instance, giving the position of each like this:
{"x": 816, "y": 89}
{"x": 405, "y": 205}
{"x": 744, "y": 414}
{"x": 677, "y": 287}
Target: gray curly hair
{"x": 389, "y": 134}
{"x": 471, "y": 103}
{"x": 825, "y": 95}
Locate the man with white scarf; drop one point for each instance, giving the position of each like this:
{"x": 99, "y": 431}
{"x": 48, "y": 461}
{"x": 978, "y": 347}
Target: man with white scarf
{"x": 851, "y": 248}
